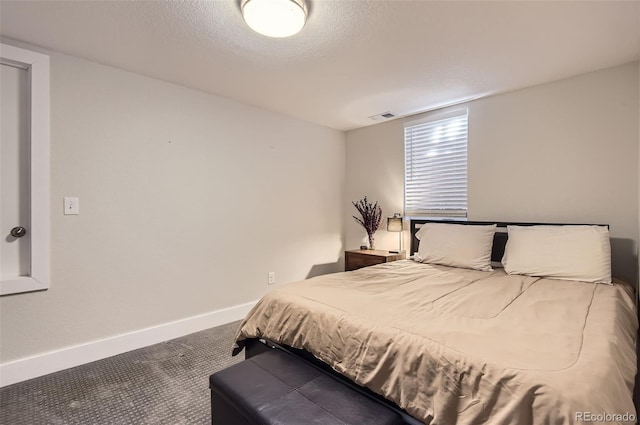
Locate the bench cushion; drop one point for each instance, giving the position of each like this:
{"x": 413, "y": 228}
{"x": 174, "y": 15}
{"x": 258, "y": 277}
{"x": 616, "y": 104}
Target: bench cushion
{"x": 276, "y": 387}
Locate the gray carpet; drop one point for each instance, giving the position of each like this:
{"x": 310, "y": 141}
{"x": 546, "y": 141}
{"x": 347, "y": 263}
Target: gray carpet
{"x": 166, "y": 383}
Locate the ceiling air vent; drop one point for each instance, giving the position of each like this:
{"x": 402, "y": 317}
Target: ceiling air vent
{"x": 383, "y": 116}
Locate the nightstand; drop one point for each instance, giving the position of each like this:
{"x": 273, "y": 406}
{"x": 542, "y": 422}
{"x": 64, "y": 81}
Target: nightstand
{"x": 358, "y": 258}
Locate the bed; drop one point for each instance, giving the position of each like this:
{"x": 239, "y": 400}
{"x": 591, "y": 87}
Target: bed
{"x": 452, "y": 345}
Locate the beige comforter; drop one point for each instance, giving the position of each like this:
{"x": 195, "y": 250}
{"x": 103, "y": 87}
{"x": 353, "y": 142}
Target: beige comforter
{"x": 457, "y": 346}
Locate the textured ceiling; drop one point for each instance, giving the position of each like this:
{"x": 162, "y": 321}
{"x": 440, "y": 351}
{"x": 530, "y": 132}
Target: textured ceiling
{"x": 353, "y": 59}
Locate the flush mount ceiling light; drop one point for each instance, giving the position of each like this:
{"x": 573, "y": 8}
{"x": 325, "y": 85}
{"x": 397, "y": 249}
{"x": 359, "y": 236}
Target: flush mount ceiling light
{"x": 275, "y": 18}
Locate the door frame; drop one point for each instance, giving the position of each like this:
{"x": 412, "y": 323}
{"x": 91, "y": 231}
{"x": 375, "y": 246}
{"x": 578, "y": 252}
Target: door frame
{"x": 37, "y": 66}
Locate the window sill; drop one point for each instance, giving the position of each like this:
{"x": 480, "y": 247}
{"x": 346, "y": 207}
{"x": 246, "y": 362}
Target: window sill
{"x": 21, "y": 285}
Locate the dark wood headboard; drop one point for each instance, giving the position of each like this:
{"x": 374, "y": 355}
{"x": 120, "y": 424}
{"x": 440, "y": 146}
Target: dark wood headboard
{"x": 499, "y": 239}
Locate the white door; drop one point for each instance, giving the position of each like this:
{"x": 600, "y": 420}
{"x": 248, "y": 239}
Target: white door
{"x": 15, "y": 252}
{"x": 24, "y": 170}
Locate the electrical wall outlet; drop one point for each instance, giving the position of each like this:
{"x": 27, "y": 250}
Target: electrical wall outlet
{"x": 271, "y": 279}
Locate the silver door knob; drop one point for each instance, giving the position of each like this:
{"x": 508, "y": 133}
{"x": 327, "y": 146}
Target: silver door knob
{"x": 18, "y": 232}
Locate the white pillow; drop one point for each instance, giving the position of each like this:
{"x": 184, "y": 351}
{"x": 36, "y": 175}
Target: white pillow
{"x": 457, "y": 245}
{"x": 571, "y": 252}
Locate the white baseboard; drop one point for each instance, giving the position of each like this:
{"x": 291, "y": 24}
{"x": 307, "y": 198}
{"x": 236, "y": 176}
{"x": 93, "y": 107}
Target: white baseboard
{"x": 53, "y": 361}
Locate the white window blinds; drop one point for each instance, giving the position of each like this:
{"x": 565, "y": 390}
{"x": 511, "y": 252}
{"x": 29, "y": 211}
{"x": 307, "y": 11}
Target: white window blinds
{"x": 435, "y": 167}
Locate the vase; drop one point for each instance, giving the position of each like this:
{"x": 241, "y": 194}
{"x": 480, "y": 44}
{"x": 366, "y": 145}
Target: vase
{"x": 371, "y": 241}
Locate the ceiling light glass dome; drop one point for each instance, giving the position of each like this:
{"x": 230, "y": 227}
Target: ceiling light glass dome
{"x": 275, "y": 18}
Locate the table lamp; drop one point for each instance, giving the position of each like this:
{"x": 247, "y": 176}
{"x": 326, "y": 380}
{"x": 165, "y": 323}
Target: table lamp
{"x": 394, "y": 224}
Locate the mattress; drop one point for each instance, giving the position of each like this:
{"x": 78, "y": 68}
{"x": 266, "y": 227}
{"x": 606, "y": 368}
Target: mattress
{"x": 459, "y": 346}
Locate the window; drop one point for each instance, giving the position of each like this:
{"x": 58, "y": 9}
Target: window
{"x": 435, "y": 166}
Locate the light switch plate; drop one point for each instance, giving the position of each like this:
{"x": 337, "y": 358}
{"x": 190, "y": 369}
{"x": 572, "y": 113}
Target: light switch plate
{"x": 71, "y": 206}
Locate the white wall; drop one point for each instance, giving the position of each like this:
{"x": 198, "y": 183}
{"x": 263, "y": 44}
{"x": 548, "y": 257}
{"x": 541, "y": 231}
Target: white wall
{"x": 187, "y": 201}
{"x": 566, "y": 151}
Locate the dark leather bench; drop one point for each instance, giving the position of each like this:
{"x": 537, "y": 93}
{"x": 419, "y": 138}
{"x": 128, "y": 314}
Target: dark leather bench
{"x": 276, "y": 387}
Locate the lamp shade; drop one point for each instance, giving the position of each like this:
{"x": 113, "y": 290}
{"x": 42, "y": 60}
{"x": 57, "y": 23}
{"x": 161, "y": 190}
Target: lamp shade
{"x": 275, "y": 18}
{"x": 394, "y": 224}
